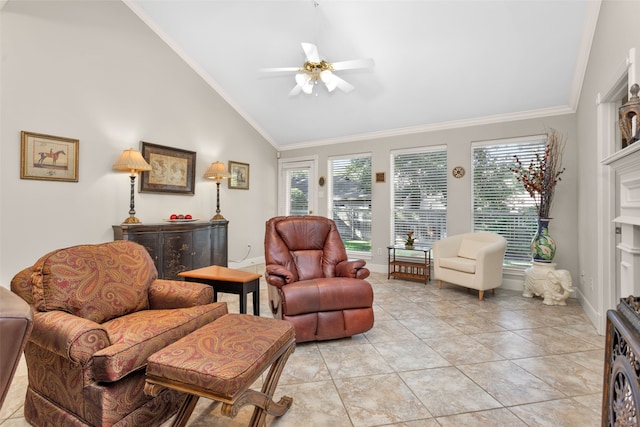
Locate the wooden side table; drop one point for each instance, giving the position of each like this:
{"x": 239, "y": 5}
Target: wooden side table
{"x": 409, "y": 268}
{"x": 227, "y": 280}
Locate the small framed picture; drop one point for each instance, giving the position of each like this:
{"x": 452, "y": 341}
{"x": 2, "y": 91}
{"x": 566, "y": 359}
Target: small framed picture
{"x": 172, "y": 170}
{"x": 379, "y": 176}
{"x": 48, "y": 157}
{"x": 239, "y": 178}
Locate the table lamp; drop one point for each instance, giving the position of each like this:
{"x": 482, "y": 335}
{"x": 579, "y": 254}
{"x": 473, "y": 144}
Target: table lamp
{"x": 131, "y": 161}
{"x": 217, "y": 172}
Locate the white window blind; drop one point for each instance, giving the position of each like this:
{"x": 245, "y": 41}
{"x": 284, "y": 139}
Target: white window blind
{"x": 350, "y": 200}
{"x": 500, "y": 203}
{"x": 419, "y": 194}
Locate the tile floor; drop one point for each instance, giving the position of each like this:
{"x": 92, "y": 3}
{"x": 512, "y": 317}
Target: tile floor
{"x": 435, "y": 357}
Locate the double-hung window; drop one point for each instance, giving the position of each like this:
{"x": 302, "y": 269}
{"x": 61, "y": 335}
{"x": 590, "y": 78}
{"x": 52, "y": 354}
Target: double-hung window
{"x": 500, "y": 203}
{"x": 350, "y": 200}
{"x": 419, "y": 194}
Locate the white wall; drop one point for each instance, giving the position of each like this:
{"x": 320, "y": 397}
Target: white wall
{"x": 459, "y": 214}
{"x": 92, "y": 70}
{"x": 616, "y": 33}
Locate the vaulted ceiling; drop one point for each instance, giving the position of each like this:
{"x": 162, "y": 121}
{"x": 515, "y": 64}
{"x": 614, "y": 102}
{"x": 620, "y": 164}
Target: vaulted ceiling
{"x": 438, "y": 64}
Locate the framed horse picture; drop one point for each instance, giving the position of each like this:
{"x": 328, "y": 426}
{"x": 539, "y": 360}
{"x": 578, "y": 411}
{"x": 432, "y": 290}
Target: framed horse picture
{"x": 48, "y": 157}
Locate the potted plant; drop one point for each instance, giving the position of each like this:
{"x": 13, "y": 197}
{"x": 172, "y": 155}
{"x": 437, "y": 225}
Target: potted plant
{"x": 540, "y": 178}
{"x": 408, "y": 244}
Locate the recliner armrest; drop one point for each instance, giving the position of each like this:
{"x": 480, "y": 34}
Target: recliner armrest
{"x": 67, "y": 335}
{"x": 352, "y": 268}
{"x": 278, "y": 276}
{"x": 166, "y": 294}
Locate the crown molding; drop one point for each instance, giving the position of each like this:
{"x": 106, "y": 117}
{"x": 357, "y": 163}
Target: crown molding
{"x": 453, "y": 124}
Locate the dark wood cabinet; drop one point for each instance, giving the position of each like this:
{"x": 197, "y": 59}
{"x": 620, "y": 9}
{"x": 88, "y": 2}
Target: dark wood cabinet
{"x": 178, "y": 247}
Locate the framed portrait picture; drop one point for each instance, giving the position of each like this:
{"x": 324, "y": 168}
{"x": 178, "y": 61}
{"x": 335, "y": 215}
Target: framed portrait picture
{"x": 48, "y": 157}
{"x": 172, "y": 170}
{"x": 239, "y": 175}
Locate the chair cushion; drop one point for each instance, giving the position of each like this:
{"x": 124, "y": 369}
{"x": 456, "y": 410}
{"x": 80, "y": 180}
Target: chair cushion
{"x": 325, "y": 294}
{"x": 96, "y": 282}
{"x": 469, "y": 248}
{"x": 464, "y": 265}
{"x": 138, "y": 335}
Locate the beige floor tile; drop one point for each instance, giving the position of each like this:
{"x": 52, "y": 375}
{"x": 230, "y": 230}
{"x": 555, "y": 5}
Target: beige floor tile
{"x": 447, "y": 391}
{"x": 379, "y": 399}
{"x": 491, "y": 418}
{"x": 315, "y": 404}
{"x": 389, "y": 330}
{"x": 429, "y": 327}
{"x": 511, "y": 320}
{"x": 306, "y": 364}
{"x": 410, "y": 355}
{"x": 471, "y": 324}
{"x": 555, "y": 340}
{"x": 563, "y": 374}
{"x": 354, "y": 361}
{"x": 557, "y": 413}
{"x": 460, "y": 350}
{"x": 509, "y": 383}
{"x": 509, "y": 345}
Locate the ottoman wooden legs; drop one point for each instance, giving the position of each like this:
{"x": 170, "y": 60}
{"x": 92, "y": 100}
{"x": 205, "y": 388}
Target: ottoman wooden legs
{"x": 263, "y": 400}
{"x": 220, "y": 361}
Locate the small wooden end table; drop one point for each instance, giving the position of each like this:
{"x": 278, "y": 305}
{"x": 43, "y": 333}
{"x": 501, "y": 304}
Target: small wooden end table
{"x": 410, "y": 268}
{"x": 227, "y": 280}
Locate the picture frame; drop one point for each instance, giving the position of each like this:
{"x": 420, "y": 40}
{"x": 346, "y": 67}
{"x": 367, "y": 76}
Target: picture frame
{"x": 48, "y": 157}
{"x": 238, "y": 175}
{"x": 173, "y": 170}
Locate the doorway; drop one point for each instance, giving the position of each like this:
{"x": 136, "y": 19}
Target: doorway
{"x": 296, "y": 194}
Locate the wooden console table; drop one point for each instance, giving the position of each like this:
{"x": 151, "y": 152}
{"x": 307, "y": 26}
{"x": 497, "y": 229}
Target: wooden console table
{"x": 415, "y": 265}
{"x": 181, "y": 246}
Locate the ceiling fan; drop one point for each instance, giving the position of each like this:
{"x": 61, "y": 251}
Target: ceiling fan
{"x": 315, "y": 69}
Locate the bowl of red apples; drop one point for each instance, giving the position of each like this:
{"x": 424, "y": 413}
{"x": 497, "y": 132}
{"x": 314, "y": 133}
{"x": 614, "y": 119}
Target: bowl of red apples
{"x": 181, "y": 218}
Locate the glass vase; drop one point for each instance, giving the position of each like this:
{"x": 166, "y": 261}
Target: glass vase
{"x": 543, "y": 247}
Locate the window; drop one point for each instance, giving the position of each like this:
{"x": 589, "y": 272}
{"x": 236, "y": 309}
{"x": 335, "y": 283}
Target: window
{"x": 419, "y": 194}
{"x": 500, "y": 203}
{"x": 350, "y": 200}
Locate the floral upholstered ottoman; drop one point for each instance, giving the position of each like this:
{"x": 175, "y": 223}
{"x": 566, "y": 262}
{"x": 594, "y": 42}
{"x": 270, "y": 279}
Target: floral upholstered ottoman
{"x": 221, "y": 360}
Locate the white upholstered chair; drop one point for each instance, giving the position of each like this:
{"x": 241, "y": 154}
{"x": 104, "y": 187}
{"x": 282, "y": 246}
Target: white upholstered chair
{"x": 473, "y": 260}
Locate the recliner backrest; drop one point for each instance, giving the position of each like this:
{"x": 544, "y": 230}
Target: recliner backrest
{"x": 308, "y": 246}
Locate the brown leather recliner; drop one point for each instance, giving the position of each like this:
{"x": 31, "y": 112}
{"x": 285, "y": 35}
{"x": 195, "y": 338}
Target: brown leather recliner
{"x": 312, "y": 284}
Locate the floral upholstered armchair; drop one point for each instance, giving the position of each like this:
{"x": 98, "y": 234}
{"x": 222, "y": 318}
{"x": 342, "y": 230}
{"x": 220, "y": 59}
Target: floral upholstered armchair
{"x": 99, "y": 313}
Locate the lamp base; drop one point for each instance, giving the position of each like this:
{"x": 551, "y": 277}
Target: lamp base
{"x": 131, "y": 220}
{"x": 217, "y": 217}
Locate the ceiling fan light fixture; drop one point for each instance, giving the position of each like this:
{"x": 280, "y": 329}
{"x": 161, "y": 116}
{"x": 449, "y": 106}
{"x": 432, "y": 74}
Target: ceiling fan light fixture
{"x": 315, "y": 69}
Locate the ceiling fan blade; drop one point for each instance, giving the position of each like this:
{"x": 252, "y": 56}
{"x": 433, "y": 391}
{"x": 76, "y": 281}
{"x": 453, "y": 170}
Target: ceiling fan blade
{"x": 343, "y": 85}
{"x": 353, "y": 63}
{"x": 311, "y": 52}
{"x": 279, "y": 70}
{"x": 296, "y": 90}
{"x": 332, "y": 81}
